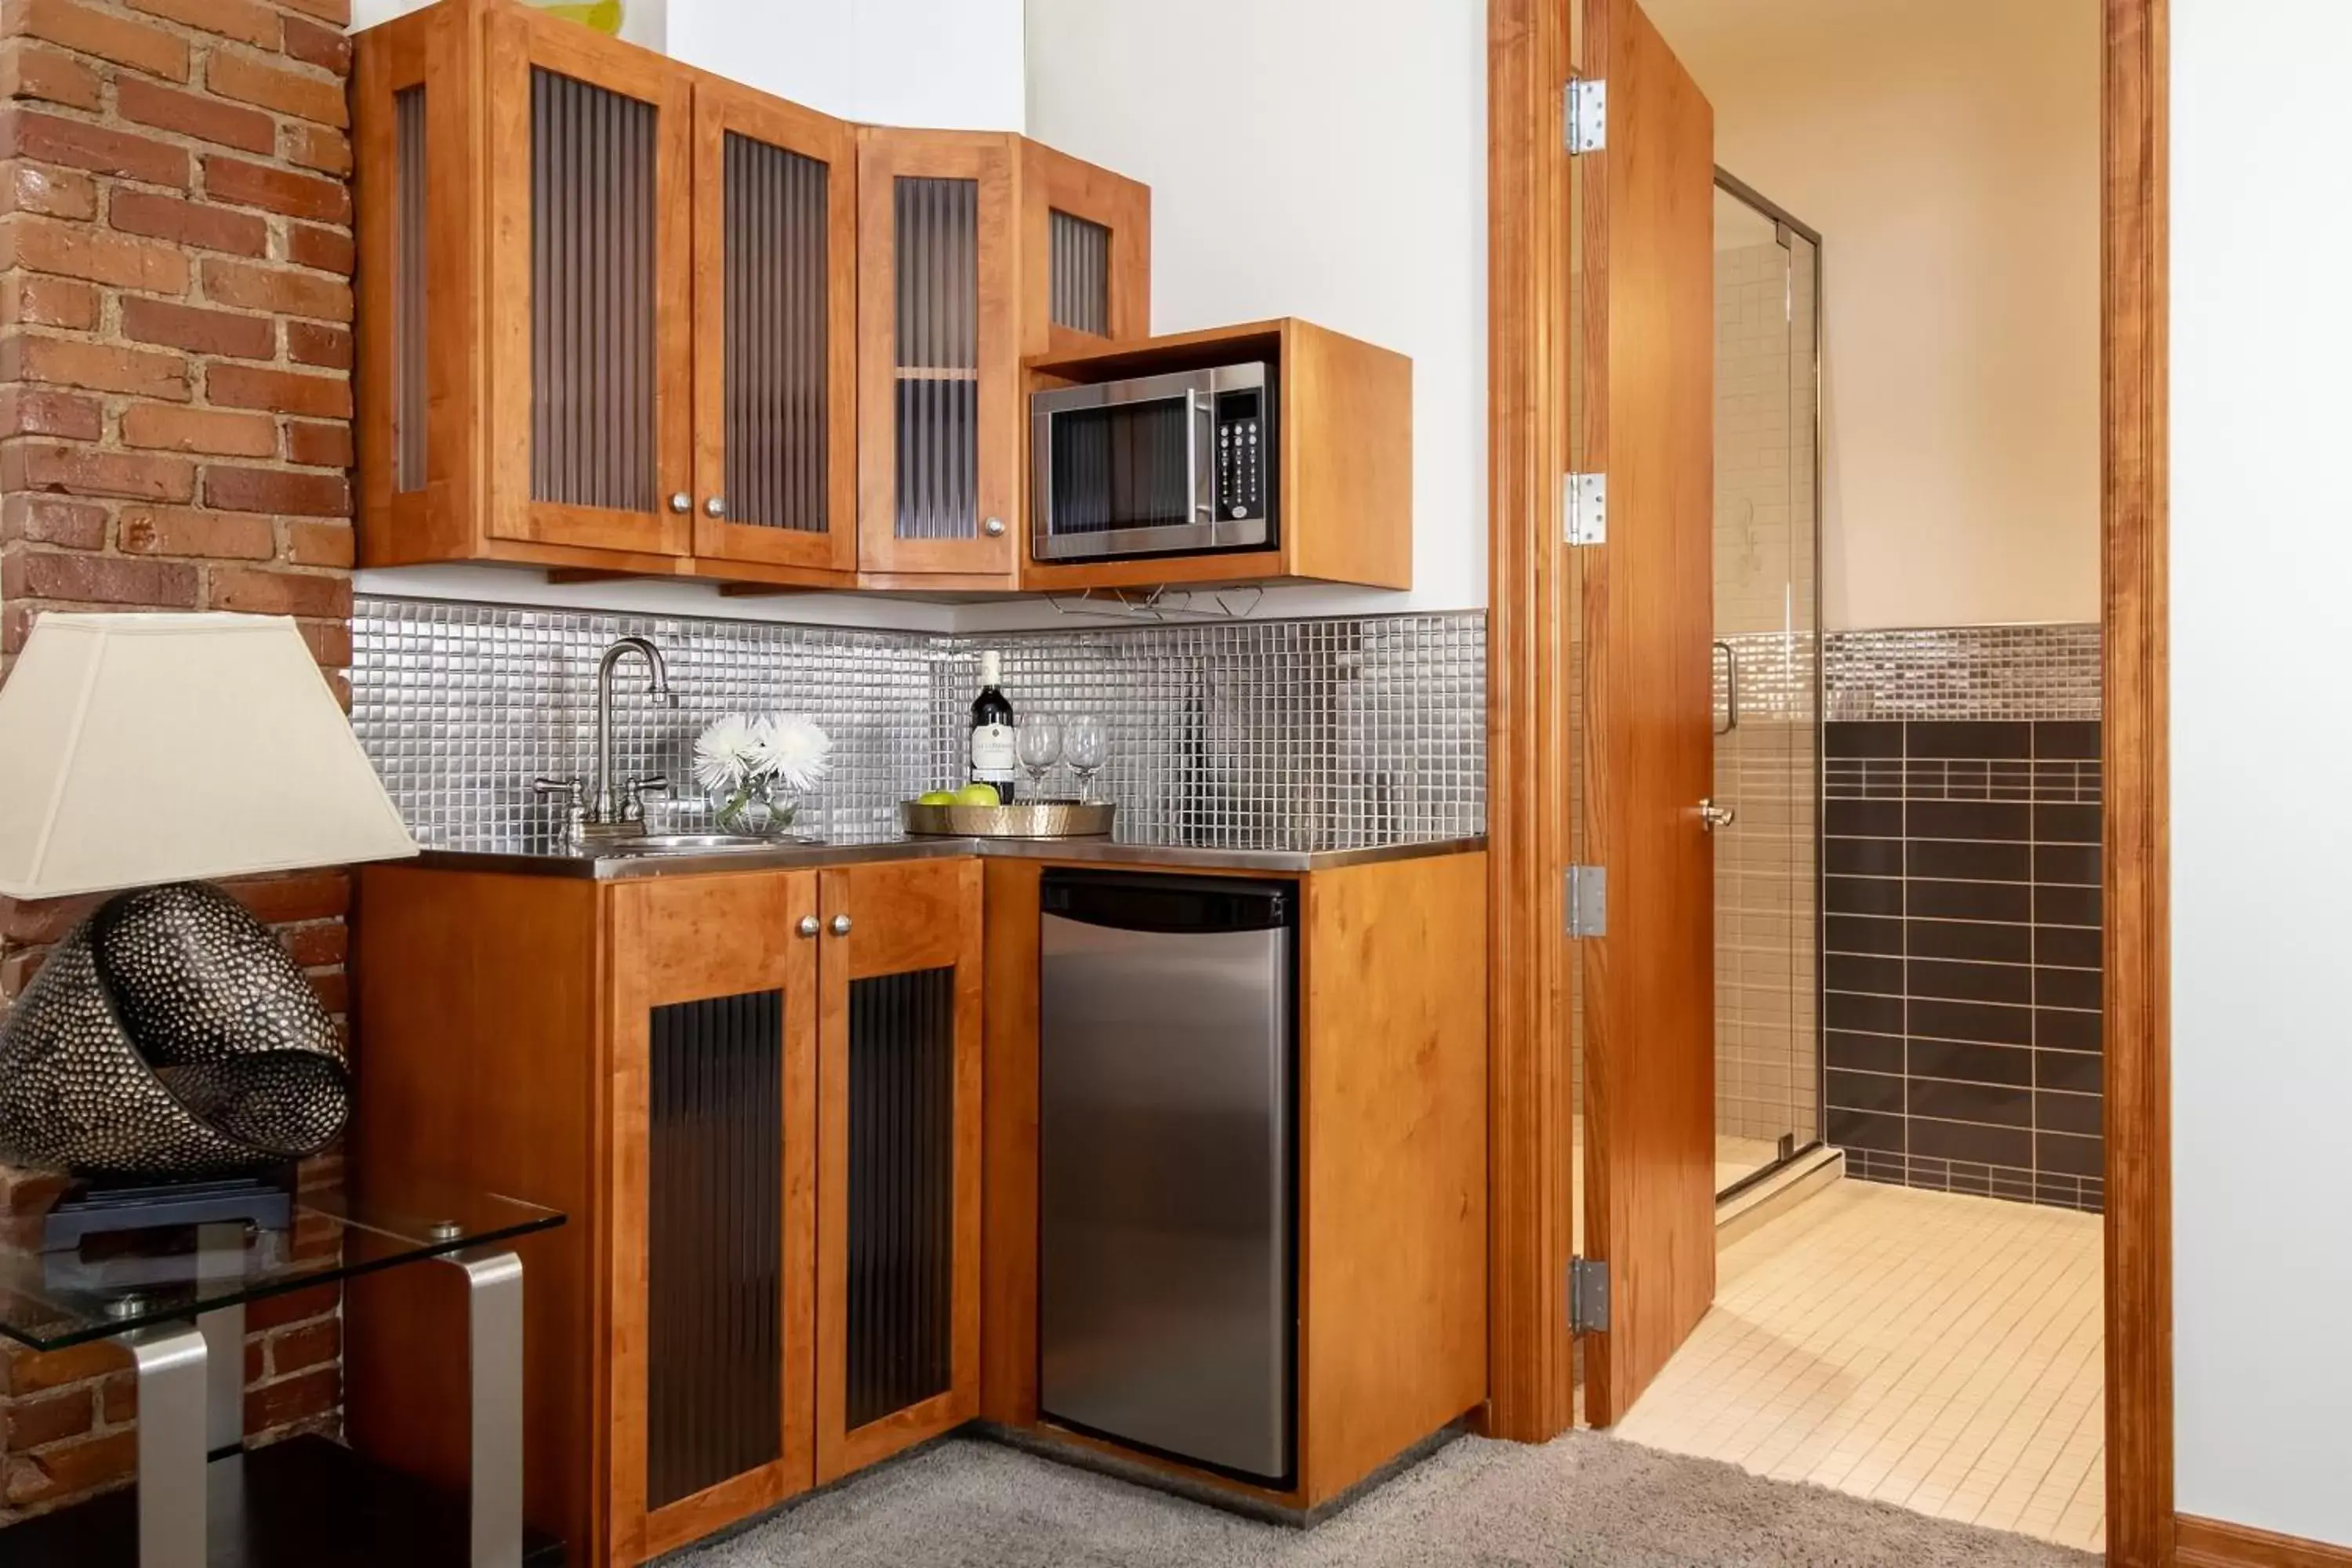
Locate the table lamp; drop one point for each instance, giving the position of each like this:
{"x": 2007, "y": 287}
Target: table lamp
{"x": 169, "y": 1036}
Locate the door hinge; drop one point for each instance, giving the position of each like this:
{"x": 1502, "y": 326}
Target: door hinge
{"x": 1587, "y": 129}
{"x": 1588, "y": 900}
{"x": 1588, "y": 1296}
{"x": 1584, "y": 508}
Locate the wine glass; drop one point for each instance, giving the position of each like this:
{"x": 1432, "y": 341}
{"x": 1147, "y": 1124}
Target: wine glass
{"x": 1037, "y": 741}
{"x": 1088, "y": 745}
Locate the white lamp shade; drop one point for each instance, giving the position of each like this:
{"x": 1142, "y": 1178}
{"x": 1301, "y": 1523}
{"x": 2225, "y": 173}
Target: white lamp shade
{"x": 143, "y": 748}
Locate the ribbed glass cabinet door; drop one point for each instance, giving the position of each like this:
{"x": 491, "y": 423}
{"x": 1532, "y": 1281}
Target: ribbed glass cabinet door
{"x": 588, "y": 315}
{"x": 939, "y": 372}
{"x": 775, "y": 322}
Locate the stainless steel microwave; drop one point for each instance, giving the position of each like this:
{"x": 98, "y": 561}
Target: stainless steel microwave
{"x": 1163, "y": 465}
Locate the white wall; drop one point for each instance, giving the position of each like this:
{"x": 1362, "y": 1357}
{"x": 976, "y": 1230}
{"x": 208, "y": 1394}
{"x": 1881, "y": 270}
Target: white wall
{"x": 1315, "y": 158}
{"x": 2261, "y": 551}
{"x": 1948, "y": 153}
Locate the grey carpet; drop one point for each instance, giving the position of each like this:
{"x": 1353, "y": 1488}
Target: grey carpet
{"x": 1585, "y": 1499}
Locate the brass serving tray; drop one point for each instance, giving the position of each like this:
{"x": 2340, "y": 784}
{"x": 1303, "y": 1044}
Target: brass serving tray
{"x": 1023, "y": 819}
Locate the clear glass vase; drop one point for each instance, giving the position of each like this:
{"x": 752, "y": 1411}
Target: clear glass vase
{"x": 756, "y": 806}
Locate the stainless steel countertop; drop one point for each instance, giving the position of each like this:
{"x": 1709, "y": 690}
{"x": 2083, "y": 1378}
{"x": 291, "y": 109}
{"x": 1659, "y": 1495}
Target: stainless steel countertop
{"x": 588, "y": 865}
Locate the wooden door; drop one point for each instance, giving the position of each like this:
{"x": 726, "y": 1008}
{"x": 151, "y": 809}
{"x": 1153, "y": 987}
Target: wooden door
{"x": 1085, "y": 262}
{"x": 939, "y": 371}
{"x": 899, "y": 1209}
{"x": 1643, "y": 281}
{"x": 590, "y": 348}
{"x": 713, "y": 1239}
{"x": 775, "y": 329}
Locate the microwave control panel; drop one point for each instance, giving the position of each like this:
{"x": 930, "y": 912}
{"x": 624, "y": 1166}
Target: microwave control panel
{"x": 1244, "y": 452}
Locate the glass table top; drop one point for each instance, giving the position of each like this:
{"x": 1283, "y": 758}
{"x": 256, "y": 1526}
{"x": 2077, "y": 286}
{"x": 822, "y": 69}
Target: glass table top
{"x": 119, "y": 1282}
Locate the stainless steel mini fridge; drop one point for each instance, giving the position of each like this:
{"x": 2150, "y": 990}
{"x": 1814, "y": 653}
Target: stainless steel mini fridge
{"x": 1168, "y": 1175}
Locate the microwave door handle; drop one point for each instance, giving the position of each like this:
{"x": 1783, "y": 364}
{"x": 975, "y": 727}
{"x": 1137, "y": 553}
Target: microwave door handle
{"x": 1195, "y": 412}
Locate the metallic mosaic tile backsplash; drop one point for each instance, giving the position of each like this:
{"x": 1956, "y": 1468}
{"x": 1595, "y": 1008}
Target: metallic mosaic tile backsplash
{"x": 1964, "y": 672}
{"x": 1274, "y": 734}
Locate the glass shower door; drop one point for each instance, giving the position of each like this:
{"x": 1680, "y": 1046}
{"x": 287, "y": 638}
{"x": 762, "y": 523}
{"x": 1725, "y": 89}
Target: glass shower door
{"x": 1768, "y": 685}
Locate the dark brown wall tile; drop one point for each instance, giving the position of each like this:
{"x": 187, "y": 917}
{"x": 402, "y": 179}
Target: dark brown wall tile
{"x": 2064, "y": 1030}
{"x": 1866, "y": 1015}
{"x": 1863, "y": 857}
{"x": 1863, "y": 976}
{"x": 1863, "y": 819}
{"x": 1972, "y": 1140}
{"x": 1982, "y": 940}
{"x": 1866, "y": 1091}
{"x": 1968, "y": 738}
{"x": 2011, "y": 901}
{"x": 2076, "y": 988}
{"x": 2066, "y": 824}
{"x": 2067, "y": 947}
{"x": 2069, "y": 1156}
{"x": 1846, "y": 738}
{"x": 2078, "y": 1072}
{"x": 1999, "y": 1105}
{"x": 1966, "y": 1062}
{"x": 1863, "y": 895}
{"x": 2071, "y": 863}
{"x": 1862, "y": 1130}
{"x": 2055, "y": 906}
{"x": 2080, "y": 1113}
{"x": 2069, "y": 739}
{"x": 1862, "y": 934}
{"x": 1972, "y": 1021}
{"x": 1969, "y": 862}
{"x": 1999, "y": 821}
{"x": 1969, "y": 981}
{"x": 1863, "y": 1053}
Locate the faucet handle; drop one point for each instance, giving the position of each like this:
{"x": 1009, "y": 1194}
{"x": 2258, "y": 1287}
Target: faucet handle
{"x": 633, "y": 795}
{"x": 575, "y": 804}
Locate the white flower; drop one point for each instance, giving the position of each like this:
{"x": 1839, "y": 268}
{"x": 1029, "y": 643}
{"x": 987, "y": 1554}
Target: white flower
{"x": 726, "y": 753}
{"x": 791, "y": 747}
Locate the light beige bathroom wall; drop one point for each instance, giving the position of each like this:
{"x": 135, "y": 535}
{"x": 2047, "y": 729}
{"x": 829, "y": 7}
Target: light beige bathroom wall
{"x": 1948, "y": 153}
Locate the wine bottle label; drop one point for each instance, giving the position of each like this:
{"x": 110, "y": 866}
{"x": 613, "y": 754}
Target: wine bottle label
{"x": 993, "y": 757}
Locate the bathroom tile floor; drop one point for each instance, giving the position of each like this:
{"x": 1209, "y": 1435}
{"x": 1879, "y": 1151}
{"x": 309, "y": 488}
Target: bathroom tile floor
{"x": 1930, "y": 1349}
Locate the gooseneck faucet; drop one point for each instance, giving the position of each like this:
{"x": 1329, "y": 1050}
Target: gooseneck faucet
{"x": 607, "y": 812}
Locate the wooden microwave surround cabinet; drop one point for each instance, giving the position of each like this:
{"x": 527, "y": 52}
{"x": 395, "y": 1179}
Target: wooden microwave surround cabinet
{"x": 618, "y": 315}
{"x": 803, "y": 1172}
{"x": 1342, "y": 468}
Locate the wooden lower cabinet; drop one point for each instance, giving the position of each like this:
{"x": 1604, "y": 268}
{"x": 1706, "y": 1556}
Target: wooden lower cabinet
{"x": 756, "y": 1096}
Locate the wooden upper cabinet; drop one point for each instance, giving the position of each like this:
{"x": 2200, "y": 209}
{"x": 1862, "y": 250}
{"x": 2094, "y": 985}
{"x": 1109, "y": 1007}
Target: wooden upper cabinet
{"x": 591, "y": 341}
{"x": 775, "y": 322}
{"x": 618, "y": 314}
{"x": 975, "y": 249}
{"x": 938, "y": 374}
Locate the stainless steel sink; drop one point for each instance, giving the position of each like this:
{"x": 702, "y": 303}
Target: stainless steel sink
{"x": 686, "y": 843}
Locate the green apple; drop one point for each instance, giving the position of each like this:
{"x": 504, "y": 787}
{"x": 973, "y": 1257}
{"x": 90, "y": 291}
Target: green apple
{"x": 938, "y": 798}
{"x": 977, "y": 795}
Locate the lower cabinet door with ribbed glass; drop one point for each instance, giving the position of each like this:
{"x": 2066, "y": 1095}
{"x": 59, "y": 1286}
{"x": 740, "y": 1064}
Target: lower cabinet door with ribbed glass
{"x": 715, "y": 1020}
{"x": 898, "y": 1290}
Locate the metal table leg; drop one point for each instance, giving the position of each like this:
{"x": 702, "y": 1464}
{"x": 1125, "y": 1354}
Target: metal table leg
{"x": 494, "y": 1292}
{"x": 170, "y": 1360}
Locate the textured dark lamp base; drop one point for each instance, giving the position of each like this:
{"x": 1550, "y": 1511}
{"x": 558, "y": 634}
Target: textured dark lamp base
{"x": 169, "y": 1035}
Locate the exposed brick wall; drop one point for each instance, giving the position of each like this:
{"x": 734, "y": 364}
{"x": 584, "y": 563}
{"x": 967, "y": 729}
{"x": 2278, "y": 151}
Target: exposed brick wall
{"x": 175, "y": 349}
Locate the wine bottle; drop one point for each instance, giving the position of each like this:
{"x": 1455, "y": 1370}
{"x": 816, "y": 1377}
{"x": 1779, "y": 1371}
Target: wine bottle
{"x": 993, "y": 757}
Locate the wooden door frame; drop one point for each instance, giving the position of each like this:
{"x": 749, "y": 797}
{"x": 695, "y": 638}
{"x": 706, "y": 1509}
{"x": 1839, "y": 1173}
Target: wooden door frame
{"x": 1530, "y": 1378}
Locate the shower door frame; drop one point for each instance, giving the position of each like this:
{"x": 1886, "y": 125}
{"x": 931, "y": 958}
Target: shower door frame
{"x": 1528, "y": 1372}
{"x": 1740, "y": 189}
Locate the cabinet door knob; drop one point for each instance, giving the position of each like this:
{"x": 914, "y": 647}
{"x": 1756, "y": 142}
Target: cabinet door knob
{"x": 716, "y": 506}
{"x": 993, "y": 528}
{"x": 808, "y": 925}
{"x": 841, "y": 925}
{"x": 680, "y": 502}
